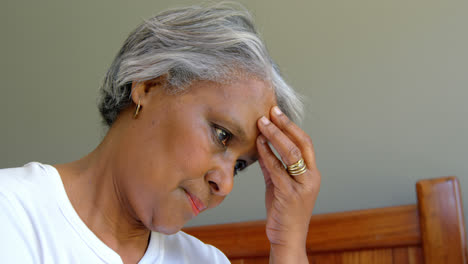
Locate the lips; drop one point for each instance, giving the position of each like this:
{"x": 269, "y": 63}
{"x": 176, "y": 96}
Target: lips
{"x": 197, "y": 205}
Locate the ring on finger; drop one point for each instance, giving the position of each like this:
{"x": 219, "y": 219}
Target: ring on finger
{"x": 297, "y": 168}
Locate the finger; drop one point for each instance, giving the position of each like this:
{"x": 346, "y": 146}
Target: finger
{"x": 266, "y": 173}
{"x": 271, "y": 164}
{"x": 288, "y": 151}
{"x": 296, "y": 134}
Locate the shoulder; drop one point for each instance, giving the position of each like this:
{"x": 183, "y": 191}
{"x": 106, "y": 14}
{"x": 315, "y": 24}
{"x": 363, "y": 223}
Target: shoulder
{"x": 19, "y": 180}
{"x": 26, "y": 191}
{"x": 193, "y": 249}
{"x": 20, "y": 193}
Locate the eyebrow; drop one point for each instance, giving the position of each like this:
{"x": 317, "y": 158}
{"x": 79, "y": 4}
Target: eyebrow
{"x": 237, "y": 130}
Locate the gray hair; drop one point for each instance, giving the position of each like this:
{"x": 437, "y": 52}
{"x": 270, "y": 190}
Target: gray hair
{"x": 213, "y": 43}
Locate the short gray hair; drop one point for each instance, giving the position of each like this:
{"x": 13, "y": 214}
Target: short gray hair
{"x": 193, "y": 43}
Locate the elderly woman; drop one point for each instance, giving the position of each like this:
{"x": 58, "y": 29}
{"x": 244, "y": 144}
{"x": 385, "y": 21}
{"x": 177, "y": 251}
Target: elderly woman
{"x": 191, "y": 99}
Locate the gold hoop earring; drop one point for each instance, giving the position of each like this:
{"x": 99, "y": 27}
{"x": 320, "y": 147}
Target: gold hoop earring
{"x": 137, "y": 110}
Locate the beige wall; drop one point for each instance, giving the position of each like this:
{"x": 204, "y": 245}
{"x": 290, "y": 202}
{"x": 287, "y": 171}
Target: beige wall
{"x": 386, "y": 83}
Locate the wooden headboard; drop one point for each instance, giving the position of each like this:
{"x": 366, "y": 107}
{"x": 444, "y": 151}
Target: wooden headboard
{"x": 431, "y": 231}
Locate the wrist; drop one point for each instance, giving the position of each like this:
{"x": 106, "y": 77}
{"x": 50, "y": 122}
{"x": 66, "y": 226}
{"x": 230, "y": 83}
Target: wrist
{"x": 288, "y": 254}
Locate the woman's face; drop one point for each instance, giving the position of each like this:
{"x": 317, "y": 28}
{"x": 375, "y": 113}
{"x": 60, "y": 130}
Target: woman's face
{"x": 179, "y": 156}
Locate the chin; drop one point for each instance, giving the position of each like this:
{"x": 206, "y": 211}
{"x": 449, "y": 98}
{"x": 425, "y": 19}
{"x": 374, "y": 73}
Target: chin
{"x": 167, "y": 229}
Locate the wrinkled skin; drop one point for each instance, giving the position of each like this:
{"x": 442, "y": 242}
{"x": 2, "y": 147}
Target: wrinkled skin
{"x": 177, "y": 158}
{"x": 289, "y": 200}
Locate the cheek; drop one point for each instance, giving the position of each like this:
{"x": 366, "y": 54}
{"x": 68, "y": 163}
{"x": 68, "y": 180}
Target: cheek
{"x": 193, "y": 154}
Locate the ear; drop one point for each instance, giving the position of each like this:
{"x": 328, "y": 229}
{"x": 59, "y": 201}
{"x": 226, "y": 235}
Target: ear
{"x": 142, "y": 91}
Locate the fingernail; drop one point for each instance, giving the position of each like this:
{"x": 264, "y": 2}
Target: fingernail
{"x": 265, "y": 120}
{"x": 276, "y": 110}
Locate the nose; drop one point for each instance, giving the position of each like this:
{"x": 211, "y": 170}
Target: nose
{"x": 221, "y": 178}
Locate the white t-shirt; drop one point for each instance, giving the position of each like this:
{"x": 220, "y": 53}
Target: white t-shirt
{"x": 38, "y": 224}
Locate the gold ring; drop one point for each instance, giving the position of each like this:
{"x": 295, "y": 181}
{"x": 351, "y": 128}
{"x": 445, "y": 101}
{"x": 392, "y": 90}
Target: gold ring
{"x": 297, "y": 168}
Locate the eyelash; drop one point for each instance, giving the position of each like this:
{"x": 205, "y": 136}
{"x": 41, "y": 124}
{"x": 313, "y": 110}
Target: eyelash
{"x": 240, "y": 164}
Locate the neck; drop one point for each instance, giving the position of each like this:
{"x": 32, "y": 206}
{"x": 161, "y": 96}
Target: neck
{"x": 92, "y": 187}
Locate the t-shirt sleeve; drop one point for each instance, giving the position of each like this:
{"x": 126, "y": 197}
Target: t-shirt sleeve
{"x": 15, "y": 244}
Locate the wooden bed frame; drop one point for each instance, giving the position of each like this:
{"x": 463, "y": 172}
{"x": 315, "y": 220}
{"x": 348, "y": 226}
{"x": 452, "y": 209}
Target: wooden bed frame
{"x": 431, "y": 231}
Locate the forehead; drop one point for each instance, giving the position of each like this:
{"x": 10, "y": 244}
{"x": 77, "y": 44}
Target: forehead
{"x": 249, "y": 98}
{"x": 241, "y": 102}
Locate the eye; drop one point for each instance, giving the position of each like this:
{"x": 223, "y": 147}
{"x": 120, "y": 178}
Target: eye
{"x": 223, "y": 136}
{"x": 240, "y": 165}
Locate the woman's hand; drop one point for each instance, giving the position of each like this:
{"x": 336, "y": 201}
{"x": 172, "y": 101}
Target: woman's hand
{"x": 289, "y": 200}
